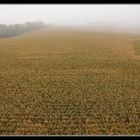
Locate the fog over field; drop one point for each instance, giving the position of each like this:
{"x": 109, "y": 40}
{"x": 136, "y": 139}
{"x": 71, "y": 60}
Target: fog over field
{"x": 69, "y": 70}
{"x": 120, "y": 18}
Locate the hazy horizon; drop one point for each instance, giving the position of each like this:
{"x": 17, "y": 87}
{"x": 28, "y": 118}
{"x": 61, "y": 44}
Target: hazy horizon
{"x": 121, "y": 16}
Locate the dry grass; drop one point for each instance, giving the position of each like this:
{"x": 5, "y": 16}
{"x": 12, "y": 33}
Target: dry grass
{"x": 66, "y": 82}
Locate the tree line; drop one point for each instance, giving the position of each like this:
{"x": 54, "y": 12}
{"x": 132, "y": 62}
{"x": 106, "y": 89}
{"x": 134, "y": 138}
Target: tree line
{"x": 16, "y": 29}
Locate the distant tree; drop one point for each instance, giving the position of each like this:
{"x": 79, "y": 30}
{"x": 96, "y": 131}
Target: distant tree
{"x": 16, "y": 29}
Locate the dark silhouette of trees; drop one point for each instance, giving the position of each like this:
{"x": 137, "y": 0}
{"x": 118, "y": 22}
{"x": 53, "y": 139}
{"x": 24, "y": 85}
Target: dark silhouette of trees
{"x": 16, "y": 29}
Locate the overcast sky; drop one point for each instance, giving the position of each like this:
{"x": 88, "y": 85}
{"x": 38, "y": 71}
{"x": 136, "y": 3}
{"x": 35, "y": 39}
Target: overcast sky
{"x": 72, "y": 14}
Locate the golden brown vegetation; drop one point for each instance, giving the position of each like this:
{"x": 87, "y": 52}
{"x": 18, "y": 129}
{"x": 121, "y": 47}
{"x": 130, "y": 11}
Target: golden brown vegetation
{"x": 66, "y": 82}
